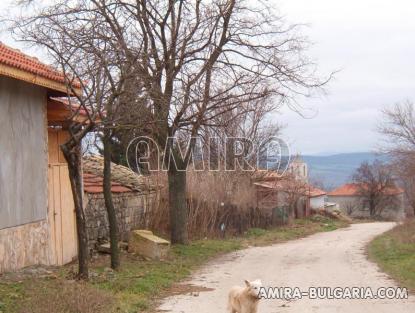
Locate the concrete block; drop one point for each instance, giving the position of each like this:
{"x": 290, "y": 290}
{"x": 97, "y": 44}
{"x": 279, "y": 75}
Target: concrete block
{"x": 145, "y": 243}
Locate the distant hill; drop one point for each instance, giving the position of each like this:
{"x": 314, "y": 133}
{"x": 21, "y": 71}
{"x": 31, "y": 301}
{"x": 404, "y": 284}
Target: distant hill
{"x": 335, "y": 170}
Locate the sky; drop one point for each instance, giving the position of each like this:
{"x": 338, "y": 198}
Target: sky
{"x": 371, "y": 44}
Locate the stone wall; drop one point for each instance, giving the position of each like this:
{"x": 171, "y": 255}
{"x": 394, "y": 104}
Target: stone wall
{"x": 131, "y": 210}
{"x": 24, "y": 245}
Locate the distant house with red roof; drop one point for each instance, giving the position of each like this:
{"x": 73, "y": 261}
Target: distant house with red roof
{"x": 350, "y": 200}
{"x": 287, "y": 195}
{"x": 288, "y": 192}
{"x": 317, "y": 198}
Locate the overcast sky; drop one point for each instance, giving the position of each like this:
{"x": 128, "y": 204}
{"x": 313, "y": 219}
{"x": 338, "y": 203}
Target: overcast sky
{"x": 372, "y": 43}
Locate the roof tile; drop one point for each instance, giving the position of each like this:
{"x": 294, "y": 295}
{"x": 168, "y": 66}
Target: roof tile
{"x": 94, "y": 184}
{"x": 353, "y": 189}
{"x": 17, "y": 59}
{"x": 121, "y": 176}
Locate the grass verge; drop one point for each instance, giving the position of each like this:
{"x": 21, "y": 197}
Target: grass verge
{"x": 394, "y": 252}
{"x": 139, "y": 283}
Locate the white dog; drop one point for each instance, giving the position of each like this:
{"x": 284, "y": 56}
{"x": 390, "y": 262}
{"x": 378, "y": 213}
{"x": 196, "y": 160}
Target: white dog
{"x": 245, "y": 299}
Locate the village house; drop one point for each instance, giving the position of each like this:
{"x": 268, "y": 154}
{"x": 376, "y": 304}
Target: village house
{"x": 288, "y": 194}
{"x": 317, "y": 198}
{"x": 36, "y": 210}
{"x": 349, "y": 200}
{"x": 37, "y": 218}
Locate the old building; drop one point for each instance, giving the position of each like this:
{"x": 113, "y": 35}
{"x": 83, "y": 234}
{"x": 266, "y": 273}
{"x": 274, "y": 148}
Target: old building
{"x": 287, "y": 194}
{"x": 37, "y": 218}
{"x": 133, "y": 195}
{"x": 349, "y": 199}
{"x": 317, "y": 198}
{"x": 37, "y": 224}
{"x": 298, "y": 168}
{"x": 282, "y": 197}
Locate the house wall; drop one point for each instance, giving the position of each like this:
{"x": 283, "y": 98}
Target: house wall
{"x": 299, "y": 170}
{"x": 23, "y": 166}
{"x": 24, "y": 245}
{"x": 131, "y": 210}
{"x": 24, "y": 232}
{"x": 274, "y": 204}
{"x": 317, "y": 202}
{"x": 356, "y": 205}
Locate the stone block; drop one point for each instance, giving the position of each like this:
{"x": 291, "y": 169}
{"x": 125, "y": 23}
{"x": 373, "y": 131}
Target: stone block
{"x": 104, "y": 248}
{"x": 145, "y": 243}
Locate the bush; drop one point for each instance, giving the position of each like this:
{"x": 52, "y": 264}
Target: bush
{"x": 213, "y": 199}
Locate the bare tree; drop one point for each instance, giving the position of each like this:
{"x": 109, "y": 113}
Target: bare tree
{"x": 292, "y": 192}
{"x": 398, "y": 128}
{"x": 375, "y": 183}
{"x": 81, "y": 41}
{"x": 295, "y": 191}
{"x": 80, "y": 123}
{"x": 351, "y": 206}
{"x": 72, "y": 153}
{"x": 197, "y": 61}
{"x": 201, "y": 60}
{"x": 403, "y": 166}
{"x": 252, "y": 130}
{"x": 320, "y": 181}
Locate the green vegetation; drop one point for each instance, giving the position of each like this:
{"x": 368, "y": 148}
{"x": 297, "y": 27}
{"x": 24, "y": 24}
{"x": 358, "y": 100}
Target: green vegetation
{"x": 139, "y": 283}
{"x": 394, "y": 251}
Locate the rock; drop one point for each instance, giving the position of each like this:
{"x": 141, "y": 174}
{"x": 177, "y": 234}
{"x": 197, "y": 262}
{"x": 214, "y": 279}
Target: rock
{"x": 146, "y": 244}
{"x": 104, "y": 248}
{"x": 123, "y": 245}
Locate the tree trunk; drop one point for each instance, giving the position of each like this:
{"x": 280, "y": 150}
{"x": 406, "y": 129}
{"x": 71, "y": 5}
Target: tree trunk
{"x": 372, "y": 208}
{"x": 74, "y": 159}
{"x": 109, "y": 204}
{"x": 178, "y": 206}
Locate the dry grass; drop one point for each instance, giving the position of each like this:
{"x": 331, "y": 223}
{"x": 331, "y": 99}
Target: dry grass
{"x": 213, "y": 199}
{"x": 55, "y": 295}
{"x": 139, "y": 282}
{"x": 394, "y": 251}
{"x": 405, "y": 233}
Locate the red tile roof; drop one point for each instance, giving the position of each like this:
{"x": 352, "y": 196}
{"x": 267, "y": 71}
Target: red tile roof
{"x": 18, "y": 60}
{"x": 315, "y": 192}
{"x": 269, "y": 185}
{"x": 123, "y": 178}
{"x": 281, "y": 185}
{"x": 353, "y": 189}
{"x": 94, "y": 184}
{"x": 64, "y": 108}
{"x": 267, "y": 175}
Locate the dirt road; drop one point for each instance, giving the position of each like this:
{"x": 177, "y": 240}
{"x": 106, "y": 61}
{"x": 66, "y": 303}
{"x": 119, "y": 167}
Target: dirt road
{"x": 332, "y": 259}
